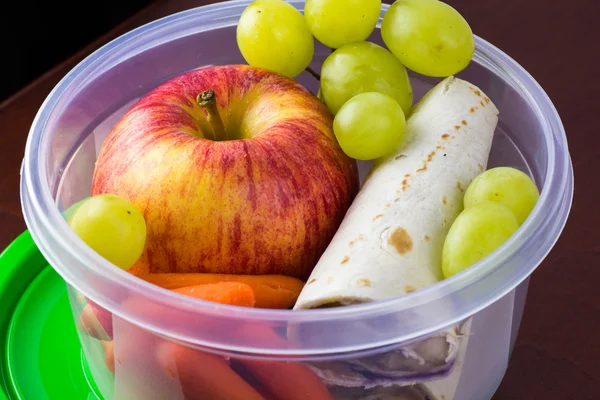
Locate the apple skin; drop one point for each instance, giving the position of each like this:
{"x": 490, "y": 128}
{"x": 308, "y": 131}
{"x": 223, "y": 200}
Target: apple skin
{"x": 267, "y": 202}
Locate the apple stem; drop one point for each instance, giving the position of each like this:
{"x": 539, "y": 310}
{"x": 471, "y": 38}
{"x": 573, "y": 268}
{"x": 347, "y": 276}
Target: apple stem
{"x": 315, "y": 74}
{"x": 207, "y": 100}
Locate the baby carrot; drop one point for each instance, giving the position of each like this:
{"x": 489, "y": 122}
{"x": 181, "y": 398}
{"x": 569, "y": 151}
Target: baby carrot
{"x": 287, "y": 380}
{"x": 203, "y": 375}
{"x": 96, "y": 321}
{"x": 270, "y": 291}
{"x": 232, "y": 293}
{"x": 109, "y": 355}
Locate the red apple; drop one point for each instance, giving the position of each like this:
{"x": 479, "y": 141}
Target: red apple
{"x": 247, "y": 178}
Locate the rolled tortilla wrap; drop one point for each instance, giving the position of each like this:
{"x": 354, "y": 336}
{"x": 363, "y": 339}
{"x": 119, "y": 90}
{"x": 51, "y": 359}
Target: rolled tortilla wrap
{"x": 422, "y": 361}
{"x": 437, "y": 389}
{"x": 386, "y": 393}
{"x": 390, "y": 241}
{"x": 445, "y": 389}
{"x": 374, "y": 379}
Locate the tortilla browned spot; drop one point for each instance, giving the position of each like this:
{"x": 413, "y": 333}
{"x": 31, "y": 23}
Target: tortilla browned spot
{"x": 364, "y": 282}
{"x": 401, "y": 240}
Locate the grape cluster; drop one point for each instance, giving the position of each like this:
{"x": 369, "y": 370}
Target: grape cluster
{"x": 364, "y": 85}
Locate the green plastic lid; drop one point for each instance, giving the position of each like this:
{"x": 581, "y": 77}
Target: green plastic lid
{"x": 40, "y": 354}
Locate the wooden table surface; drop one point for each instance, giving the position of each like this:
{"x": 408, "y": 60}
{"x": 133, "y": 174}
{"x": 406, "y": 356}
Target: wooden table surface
{"x": 557, "y": 356}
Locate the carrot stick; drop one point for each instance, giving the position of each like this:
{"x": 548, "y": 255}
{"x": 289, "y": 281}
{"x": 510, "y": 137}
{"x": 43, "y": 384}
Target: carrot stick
{"x": 203, "y": 375}
{"x": 233, "y": 293}
{"x": 251, "y": 379}
{"x": 95, "y": 321}
{"x": 287, "y": 380}
{"x": 271, "y": 291}
{"x": 109, "y": 354}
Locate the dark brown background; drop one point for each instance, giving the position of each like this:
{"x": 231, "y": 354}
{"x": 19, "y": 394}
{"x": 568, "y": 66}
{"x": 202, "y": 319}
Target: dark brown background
{"x": 557, "y": 356}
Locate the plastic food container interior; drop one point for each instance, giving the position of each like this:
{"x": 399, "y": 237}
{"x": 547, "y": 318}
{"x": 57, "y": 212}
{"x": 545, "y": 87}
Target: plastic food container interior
{"x": 66, "y": 136}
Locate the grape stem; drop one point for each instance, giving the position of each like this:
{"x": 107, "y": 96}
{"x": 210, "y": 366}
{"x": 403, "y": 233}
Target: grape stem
{"x": 315, "y": 74}
{"x": 215, "y": 128}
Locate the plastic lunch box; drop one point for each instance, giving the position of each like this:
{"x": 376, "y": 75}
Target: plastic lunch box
{"x": 46, "y": 357}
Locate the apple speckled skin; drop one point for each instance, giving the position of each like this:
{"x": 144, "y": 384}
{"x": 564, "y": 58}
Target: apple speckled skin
{"x": 267, "y": 201}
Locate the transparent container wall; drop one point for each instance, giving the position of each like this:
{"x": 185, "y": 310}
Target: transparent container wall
{"x": 464, "y": 362}
{"x": 146, "y": 366}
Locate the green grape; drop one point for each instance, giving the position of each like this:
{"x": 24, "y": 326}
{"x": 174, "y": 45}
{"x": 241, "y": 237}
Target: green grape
{"x": 273, "y": 34}
{"x": 476, "y": 232}
{"x": 338, "y": 22}
{"x": 369, "y": 125}
{"x": 364, "y": 67}
{"x": 320, "y": 95}
{"x": 112, "y": 226}
{"x": 428, "y": 37}
{"x": 69, "y": 211}
{"x": 505, "y": 185}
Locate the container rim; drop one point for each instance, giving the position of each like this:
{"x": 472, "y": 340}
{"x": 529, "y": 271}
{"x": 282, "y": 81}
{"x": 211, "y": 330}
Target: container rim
{"x": 488, "y": 280}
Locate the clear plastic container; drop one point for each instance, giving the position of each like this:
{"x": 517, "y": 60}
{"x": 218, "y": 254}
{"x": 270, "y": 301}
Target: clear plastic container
{"x": 57, "y": 170}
